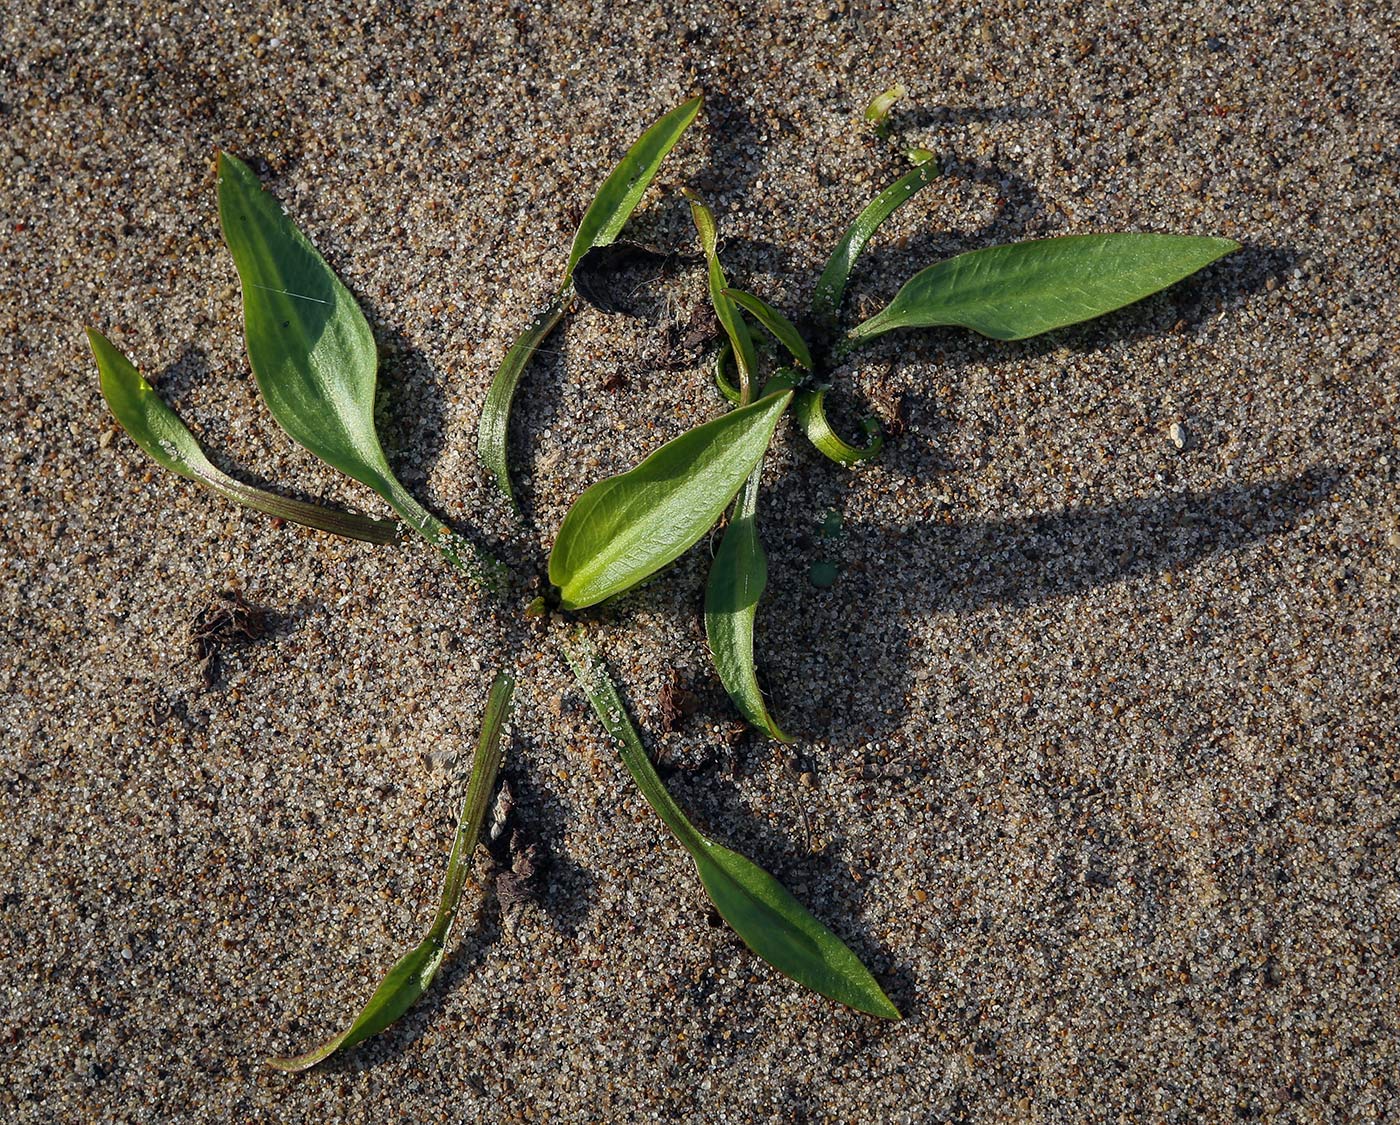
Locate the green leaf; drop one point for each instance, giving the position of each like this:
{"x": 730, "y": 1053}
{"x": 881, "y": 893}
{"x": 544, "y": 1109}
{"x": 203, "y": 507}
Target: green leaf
{"x": 730, "y": 319}
{"x": 628, "y": 527}
{"x": 160, "y": 432}
{"x": 415, "y": 970}
{"x": 759, "y": 909}
{"x": 1011, "y": 292}
{"x": 493, "y": 429}
{"x": 781, "y": 328}
{"x": 726, "y": 388}
{"x": 810, "y": 410}
{"x": 737, "y": 578}
{"x": 877, "y": 113}
{"x": 625, "y": 186}
{"x": 313, "y": 354}
{"x": 831, "y": 286}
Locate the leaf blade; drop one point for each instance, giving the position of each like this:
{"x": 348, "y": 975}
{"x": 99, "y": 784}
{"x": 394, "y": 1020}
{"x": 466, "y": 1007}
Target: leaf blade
{"x": 492, "y": 431}
{"x": 1026, "y": 288}
{"x": 158, "y": 430}
{"x": 810, "y": 411}
{"x": 768, "y": 919}
{"x": 831, "y": 286}
{"x": 737, "y": 580}
{"x": 730, "y": 319}
{"x": 626, "y": 528}
{"x": 412, "y": 973}
{"x": 780, "y": 327}
{"x": 620, "y": 193}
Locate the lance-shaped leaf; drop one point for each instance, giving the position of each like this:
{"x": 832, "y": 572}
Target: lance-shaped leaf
{"x": 779, "y": 326}
{"x": 831, "y": 286}
{"x": 1011, "y": 292}
{"x": 737, "y": 579}
{"x": 160, "y": 432}
{"x": 730, "y": 319}
{"x": 628, "y": 182}
{"x": 313, "y": 354}
{"x": 628, "y": 527}
{"x": 602, "y": 223}
{"x": 810, "y": 411}
{"x": 759, "y": 909}
{"x": 414, "y": 971}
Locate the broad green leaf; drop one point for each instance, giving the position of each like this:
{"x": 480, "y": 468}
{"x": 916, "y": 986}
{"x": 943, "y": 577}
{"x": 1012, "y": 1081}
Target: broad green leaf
{"x": 759, "y": 909}
{"x": 831, "y": 286}
{"x": 626, "y": 528}
{"x": 737, "y": 578}
{"x": 877, "y": 113}
{"x": 628, "y": 182}
{"x": 810, "y": 410}
{"x": 415, "y": 970}
{"x": 781, "y": 328}
{"x": 313, "y": 354}
{"x": 493, "y": 430}
{"x": 160, "y": 432}
{"x": 730, "y": 319}
{"x": 1011, "y": 292}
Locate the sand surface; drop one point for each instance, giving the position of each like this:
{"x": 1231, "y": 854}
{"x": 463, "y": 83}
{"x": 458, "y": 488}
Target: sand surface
{"x": 1101, "y": 731}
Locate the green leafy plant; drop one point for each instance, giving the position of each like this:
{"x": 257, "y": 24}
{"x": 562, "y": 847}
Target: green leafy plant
{"x": 314, "y": 358}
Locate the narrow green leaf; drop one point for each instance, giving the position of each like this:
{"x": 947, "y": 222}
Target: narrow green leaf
{"x": 414, "y": 971}
{"x": 810, "y": 410}
{"x": 313, "y": 354}
{"x": 781, "y": 328}
{"x": 730, "y": 319}
{"x": 759, "y": 909}
{"x": 877, "y": 113}
{"x": 737, "y": 579}
{"x": 628, "y": 182}
{"x": 724, "y": 355}
{"x": 628, "y": 527}
{"x": 160, "y": 432}
{"x": 493, "y": 429}
{"x": 831, "y": 286}
{"x": 1011, "y": 292}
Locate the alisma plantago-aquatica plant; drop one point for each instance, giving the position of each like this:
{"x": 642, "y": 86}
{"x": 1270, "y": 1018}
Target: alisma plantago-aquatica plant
{"x": 314, "y": 358}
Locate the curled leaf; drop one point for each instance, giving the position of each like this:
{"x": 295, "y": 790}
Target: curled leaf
{"x": 730, "y": 319}
{"x": 831, "y": 286}
{"x": 781, "y": 328}
{"x": 160, "y": 432}
{"x": 768, "y": 919}
{"x": 877, "y": 113}
{"x": 626, "y": 528}
{"x": 415, "y": 970}
{"x": 737, "y": 579}
{"x": 1025, "y": 288}
{"x": 628, "y": 182}
{"x": 723, "y": 356}
{"x": 493, "y": 429}
{"x": 810, "y": 411}
{"x": 313, "y": 354}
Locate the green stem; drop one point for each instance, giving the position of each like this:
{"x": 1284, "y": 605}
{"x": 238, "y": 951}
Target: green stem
{"x": 478, "y": 565}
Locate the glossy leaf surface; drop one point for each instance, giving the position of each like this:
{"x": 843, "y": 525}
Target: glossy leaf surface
{"x": 626, "y": 528}
{"x": 314, "y": 356}
{"x": 877, "y": 113}
{"x": 161, "y": 433}
{"x": 768, "y": 919}
{"x": 628, "y": 182}
{"x": 492, "y": 432}
{"x": 415, "y": 970}
{"x": 1011, "y": 292}
{"x": 831, "y": 286}
{"x": 737, "y": 580}
{"x": 810, "y": 411}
